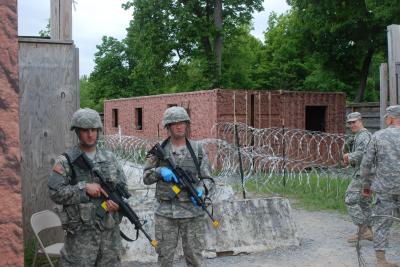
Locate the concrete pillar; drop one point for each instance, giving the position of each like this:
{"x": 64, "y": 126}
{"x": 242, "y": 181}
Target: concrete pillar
{"x": 11, "y": 237}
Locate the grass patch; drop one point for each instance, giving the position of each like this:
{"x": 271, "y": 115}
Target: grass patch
{"x": 29, "y": 253}
{"x": 41, "y": 260}
{"x": 311, "y": 191}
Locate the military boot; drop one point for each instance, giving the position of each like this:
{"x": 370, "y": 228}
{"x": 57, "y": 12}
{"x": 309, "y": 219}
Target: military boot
{"x": 366, "y": 234}
{"x": 381, "y": 260}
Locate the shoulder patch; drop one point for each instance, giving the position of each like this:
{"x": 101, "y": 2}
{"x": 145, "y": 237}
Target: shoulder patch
{"x": 58, "y": 168}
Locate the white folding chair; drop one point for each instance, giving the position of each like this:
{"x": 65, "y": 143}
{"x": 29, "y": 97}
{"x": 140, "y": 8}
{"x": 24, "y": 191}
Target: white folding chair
{"x": 44, "y": 220}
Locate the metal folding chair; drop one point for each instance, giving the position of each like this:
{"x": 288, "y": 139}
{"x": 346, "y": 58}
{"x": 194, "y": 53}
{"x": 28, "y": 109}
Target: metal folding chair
{"x": 44, "y": 220}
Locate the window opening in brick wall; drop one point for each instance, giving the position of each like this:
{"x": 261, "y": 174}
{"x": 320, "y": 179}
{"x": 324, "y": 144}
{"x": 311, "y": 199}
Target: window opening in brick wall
{"x": 115, "y": 117}
{"x": 315, "y": 118}
{"x": 139, "y": 118}
{"x": 252, "y": 110}
{"x": 172, "y": 105}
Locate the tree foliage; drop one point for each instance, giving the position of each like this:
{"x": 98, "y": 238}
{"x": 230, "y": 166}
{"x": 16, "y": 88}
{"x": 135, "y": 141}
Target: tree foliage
{"x": 185, "y": 45}
{"x": 345, "y": 35}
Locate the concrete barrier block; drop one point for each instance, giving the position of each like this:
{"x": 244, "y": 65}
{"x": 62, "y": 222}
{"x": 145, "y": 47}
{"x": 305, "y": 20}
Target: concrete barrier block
{"x": 251, "y": 225}
{"x": 246, "y": 226}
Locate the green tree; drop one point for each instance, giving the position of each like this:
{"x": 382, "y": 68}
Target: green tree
{"x": 345, "y": 35}
{"x": 173, "y": 32}
{"x": 241, "y": 55}
{"x": 45, "y": 33}
{"x": 110, "y": 77}
{"x": 284, "y": 62}
{"x": 86, "y": 89}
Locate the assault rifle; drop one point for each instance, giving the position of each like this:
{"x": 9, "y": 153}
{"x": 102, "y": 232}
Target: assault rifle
{"x": 184, "y": 180}
{"x": 116, "y": 194}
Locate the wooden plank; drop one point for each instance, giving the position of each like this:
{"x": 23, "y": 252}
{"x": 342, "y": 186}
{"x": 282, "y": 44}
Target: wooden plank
{"x": 61, "y": 19}
{"x": 383, "y": 87}
{"x": 398, "y": 80}
{"x": 66, "y": 19}
{"x": 55, "y": 19}
{"x": 363, "y": 104}
{"x": 393, "y": 58}
{"x": 76, "y": 71}
{"x": 48, "y": 98}
{"x": 35, "y": 40}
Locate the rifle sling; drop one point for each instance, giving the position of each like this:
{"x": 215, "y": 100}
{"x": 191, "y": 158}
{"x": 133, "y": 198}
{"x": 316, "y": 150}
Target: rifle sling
{"x": 73, "y": 173}
{"x": 124, "y": 236}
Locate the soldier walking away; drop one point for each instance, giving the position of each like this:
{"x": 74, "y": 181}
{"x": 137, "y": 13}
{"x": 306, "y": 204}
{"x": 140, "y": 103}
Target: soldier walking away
{"x": 358, "y": 206}
{"x": 178, "y": 216}
{"x": 383, "y": 153}
{"x": 91, "y": 240}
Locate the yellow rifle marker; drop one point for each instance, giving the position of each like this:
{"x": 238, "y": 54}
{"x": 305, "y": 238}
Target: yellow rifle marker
{"x": 215, "y": 223}
{"x": 154, "y": 243}
{"x": 176, "y": 189}
{"x": 104, "y": 205}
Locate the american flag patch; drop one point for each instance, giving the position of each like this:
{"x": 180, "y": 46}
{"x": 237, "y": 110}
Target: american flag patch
{"x": 58, "y": 169}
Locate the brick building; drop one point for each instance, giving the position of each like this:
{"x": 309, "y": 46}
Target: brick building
{"x": 141, "y": 116}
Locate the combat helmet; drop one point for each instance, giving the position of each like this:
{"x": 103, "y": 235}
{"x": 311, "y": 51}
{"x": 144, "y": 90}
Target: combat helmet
{"x": 175, "y": 114}
{"x": 86, "y": 118}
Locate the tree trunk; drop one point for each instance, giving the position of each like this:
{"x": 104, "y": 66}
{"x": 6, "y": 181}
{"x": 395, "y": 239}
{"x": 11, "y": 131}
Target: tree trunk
{"x": 218, "y": 40}
{"x": 364, "y": 75}
{"x": 205, "y": 39}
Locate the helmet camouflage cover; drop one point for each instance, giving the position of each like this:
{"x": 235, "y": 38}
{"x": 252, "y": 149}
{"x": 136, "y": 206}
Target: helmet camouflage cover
{"x": 86, "y": 118}
{"x": 175, "y": 114}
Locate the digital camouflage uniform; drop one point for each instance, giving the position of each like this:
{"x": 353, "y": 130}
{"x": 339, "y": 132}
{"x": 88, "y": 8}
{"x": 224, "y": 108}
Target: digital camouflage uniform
{"x": 383, "y": 153}
{"x": 358, "y": 206}
{"x": 90, "y": 240}
{"x": 178, "y": 216}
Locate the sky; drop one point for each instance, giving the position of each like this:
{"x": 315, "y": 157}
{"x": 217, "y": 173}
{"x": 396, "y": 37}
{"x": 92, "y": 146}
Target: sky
{"x": 92, "y": 19}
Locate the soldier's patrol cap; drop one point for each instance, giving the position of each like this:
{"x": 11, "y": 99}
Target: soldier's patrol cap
{"x": 353, "y": 116}
{"x": 393, "y": 111}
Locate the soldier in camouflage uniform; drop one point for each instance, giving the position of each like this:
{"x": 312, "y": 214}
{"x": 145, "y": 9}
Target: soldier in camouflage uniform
{"x": 383, "y": 153}
{"x": 358, "y": 206}
{"x": 90, "y": 240}
{"x": 176, "y": 217}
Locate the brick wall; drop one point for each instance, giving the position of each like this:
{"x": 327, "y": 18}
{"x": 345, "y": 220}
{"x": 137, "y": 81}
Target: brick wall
{"x": 201, "y": 106}
{"x": 11, "y": 240}
{"x": 264, "y": 109}
{"x": 260, "y": 109}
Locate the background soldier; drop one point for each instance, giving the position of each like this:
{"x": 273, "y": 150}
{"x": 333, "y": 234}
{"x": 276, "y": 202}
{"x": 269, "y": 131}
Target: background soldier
{"x": 90, "y": 240}
{"x": 383, "y": 152}
{"x": 178, "y": 216}
{"x": 358, "y": 206}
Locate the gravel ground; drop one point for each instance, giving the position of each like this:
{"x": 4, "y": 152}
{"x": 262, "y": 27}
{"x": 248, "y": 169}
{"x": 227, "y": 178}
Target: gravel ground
{"x": 323, "y": 243}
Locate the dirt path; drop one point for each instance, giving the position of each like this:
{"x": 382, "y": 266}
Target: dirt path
{"x": 323, "y": 243}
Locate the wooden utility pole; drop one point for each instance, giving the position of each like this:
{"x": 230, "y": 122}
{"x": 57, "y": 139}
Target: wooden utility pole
{"x": 48, "y": 95}
{"x": 383, "y": 77}
{"x": 394, "y": 63}
{"x": 61, "y": 20}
